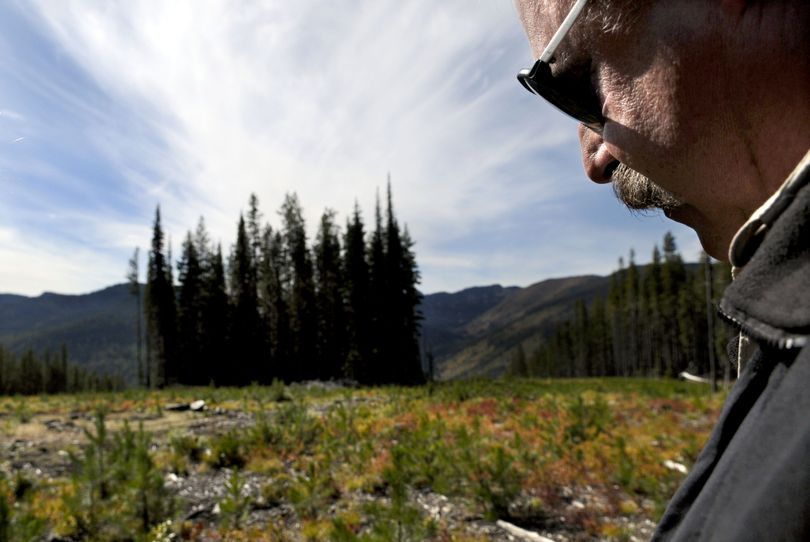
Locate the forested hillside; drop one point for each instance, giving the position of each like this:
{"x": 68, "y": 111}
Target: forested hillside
{"x": 483, "y": 345}
{"x": 657, "y": 320}
{"x": 98, "y": 328}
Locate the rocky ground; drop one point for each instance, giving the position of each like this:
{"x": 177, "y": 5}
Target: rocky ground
{"x": 40, "y": 447}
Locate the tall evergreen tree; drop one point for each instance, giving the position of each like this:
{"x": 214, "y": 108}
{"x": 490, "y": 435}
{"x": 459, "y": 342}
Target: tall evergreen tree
{"x": 245, "y": 336}
{"x": 329, "y": 299}
{"x": 303, "y": 317}
{"x": 401, "y": 361}
{"x": 378, "y": 286}
{"x": 630, "y": 333}
{"x": 160, "y": 312}
{"x": 652, "y": 316}
{"x": 356, "y": 275}
{"x": 273, "y": 298}
{"x": 410, "y": 319}
{"x": 189, "y": 313}
{"x": 673, "y": 277}
{"x": 215, "y": 319}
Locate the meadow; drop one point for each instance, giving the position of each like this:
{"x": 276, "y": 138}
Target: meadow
{"x": 459, "y": 461}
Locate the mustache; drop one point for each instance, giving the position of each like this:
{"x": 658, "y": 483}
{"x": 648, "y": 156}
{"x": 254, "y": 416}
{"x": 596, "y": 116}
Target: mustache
{"x": 639, "y": 193}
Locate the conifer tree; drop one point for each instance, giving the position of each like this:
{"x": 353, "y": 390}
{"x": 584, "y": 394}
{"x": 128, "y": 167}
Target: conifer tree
{"x": 30, "y": 374}
{"x": 673, "y": 276}
{"x": 652, "y": 331}
{"x": 411, "y": 317}
{"x": 518, "y": 366}
{"x": 377, "y": 351}
{"x": 616, "y": 313}
{"x": 399, "y": 356}
{"x": 245, "y": 327}
{"x": 329, "y": 299}
{"x": 356, "y": 273}
{"x": 160, "y": 312}
{"x": 189, "y": 312}
{"x": 631, "y": 339}
{"x": 273, "y": 304}
{"x": 303, "y": 318}
{"x": 582, "y": 340}
{"x": 215, "y": 318}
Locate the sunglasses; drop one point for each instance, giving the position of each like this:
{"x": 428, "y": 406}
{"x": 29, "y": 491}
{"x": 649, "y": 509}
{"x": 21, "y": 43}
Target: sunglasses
{"x": 566, "y": 92}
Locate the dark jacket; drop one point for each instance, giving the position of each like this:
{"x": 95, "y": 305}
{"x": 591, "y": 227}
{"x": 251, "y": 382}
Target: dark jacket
{"x": 752, "y": 480}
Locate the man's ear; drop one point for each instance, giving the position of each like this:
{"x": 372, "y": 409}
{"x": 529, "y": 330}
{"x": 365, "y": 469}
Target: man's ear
{"x": 733, "y": 8}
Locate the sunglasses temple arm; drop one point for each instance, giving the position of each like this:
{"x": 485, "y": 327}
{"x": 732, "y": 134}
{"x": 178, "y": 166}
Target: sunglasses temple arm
{"x": 548, "y": 52}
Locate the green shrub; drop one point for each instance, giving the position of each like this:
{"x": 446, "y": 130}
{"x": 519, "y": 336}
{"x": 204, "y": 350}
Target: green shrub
{"x": 184, "y": 449}
{"x": 227, "y": 452}
{"x": 117, "y": 489}
{"x": 588, "y": 420}
{"x": 490, "y": 473}
{"x": 313, "y": 490}
{"x": 278, "y": 392}
{"x": 236, "y": 504}
{"x": 400, "y": 520}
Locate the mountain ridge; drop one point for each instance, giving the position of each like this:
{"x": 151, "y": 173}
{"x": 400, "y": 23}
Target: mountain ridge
{"x": 471, "y": 332}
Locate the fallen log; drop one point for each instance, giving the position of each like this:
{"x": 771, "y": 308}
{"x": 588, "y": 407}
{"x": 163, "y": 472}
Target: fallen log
{"x": 523, "y": 534}
{"x": 693, "y": 378}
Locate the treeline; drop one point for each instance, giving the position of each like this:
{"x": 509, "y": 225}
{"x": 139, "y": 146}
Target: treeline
{"x": 30, "y": 374}
{"x": 655, "y": 321}
{"x": 344, "y": 306}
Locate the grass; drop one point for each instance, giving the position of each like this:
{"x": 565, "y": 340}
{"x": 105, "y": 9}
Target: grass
{"x": 575, "y": 456}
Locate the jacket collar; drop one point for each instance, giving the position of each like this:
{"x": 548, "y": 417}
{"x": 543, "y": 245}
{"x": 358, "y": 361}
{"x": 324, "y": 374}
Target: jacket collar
{"x": 770, "y": 299}
{"x": 750, "y": 236}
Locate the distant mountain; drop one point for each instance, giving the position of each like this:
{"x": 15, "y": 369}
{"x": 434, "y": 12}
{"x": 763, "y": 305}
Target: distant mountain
{"x": 473, "y": 332}
{"x": 97, "y": 328}
{"x": 447, "y": 314}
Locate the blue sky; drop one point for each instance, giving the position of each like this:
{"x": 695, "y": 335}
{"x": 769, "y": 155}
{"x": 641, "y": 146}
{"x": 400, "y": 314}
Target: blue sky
{"x": 109, "y": 108}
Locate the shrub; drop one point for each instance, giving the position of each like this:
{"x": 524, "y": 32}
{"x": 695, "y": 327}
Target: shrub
{"x": 313, "y": 490}
{"x": 491, "y": 475}
{"x": 227, "y": 451}
{"x": 117, "y": 489}
{"x": 236, "y": 505}
{"x": 399, "y": 520}
{"x": 184, "y": 448}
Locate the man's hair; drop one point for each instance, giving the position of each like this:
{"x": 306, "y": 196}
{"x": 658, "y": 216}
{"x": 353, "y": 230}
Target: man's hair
{"x": 616, "y": 16}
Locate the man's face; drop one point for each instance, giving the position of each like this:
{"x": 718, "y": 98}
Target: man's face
{"x": 653, "y": 78}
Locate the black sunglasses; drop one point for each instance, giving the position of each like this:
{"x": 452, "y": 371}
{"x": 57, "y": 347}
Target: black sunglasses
{"x": 569, "y": 94}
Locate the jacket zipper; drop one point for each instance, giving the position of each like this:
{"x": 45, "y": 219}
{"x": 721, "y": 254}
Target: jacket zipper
{"x": 782, "y": 343}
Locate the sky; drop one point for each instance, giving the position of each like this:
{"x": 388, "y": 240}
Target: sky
{"x": 109, "y": 108}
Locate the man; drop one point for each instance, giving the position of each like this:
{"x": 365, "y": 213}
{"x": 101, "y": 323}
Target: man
{"x": 702, "y": 108}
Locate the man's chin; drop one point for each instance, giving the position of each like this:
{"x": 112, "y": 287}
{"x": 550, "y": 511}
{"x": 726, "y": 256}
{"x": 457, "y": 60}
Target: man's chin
{"x": 712, "y": 238}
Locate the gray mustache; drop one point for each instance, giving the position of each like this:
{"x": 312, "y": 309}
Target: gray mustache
{"x": 638, "y": 192}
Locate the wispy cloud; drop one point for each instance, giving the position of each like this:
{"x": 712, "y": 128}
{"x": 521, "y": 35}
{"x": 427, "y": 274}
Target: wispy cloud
{"x": 196, "y": 105}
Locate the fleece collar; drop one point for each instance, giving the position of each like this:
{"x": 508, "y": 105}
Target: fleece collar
{"x": 770, "y": 300}
{"x": 750, "y": 236}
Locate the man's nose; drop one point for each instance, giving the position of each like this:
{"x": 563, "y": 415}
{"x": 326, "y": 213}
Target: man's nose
{"x": 599, "y": 163}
